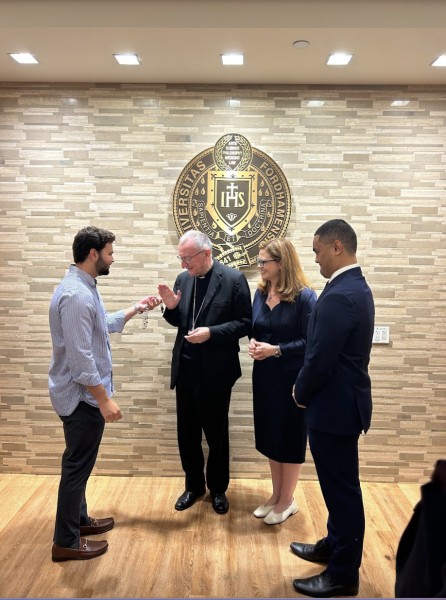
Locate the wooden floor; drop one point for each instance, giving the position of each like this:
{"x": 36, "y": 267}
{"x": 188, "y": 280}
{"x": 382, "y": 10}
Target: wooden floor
{"x": 158, "y": 552}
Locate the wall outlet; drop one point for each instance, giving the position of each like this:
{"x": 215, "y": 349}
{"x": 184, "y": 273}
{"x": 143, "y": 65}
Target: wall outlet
{"x": 381, "y": 335}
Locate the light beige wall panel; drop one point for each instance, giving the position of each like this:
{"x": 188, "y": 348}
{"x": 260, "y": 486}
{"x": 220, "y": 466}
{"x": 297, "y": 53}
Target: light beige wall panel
{"x": 109, "y": 155}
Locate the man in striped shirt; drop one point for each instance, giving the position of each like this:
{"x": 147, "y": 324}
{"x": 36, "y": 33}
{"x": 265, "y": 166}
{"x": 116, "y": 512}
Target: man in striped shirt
{"x": 81, "y": 385}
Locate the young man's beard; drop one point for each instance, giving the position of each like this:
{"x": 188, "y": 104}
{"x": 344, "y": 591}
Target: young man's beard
{"x": 102, "y": 268}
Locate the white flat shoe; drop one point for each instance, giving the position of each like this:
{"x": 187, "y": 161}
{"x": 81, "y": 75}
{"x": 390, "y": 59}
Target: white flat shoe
{"x": 263, "y": 510}
{"x": 273, "y": 519}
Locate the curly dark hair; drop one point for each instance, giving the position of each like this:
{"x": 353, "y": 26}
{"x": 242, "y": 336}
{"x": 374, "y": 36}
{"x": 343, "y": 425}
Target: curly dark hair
{"x": 90, "y": 238}
{"x": 338, "y": 229}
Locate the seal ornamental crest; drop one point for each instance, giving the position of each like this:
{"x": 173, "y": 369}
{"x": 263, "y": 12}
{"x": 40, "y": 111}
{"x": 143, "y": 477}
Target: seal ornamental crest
{"x": 236, "y": 195}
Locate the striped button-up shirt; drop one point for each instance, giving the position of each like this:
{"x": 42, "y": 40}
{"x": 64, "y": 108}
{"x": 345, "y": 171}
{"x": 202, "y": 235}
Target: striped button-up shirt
{"x": 81, "y": 346}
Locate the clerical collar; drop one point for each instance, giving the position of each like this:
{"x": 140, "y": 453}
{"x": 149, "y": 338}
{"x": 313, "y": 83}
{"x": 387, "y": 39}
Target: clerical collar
{"x": 206, "y": 275}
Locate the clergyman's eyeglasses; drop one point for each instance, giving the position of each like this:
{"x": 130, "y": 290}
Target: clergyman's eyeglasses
{"x": 187, "y": 259}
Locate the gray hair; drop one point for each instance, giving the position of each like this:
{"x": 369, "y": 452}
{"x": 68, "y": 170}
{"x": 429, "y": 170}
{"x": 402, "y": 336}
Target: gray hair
{"x": 201, "y": 240}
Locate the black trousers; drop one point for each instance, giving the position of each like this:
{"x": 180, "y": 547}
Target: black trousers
{"x": 201, "y": 409}
{"x": 83, "y": 431}
{"x": 337, "y": 465}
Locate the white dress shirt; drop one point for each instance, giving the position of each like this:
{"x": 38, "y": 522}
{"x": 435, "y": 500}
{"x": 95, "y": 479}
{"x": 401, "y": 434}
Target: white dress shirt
{"x": 339, "y": 271}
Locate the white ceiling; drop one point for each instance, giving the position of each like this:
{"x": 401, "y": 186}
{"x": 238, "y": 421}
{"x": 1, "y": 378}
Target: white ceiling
{"x": 180, "y": 41}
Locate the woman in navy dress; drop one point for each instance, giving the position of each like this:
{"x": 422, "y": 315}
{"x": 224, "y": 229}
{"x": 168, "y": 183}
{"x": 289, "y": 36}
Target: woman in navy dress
{"x": 281, "y": 310}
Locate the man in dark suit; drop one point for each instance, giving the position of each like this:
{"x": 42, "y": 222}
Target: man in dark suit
{"x": 211, "y": 306}
{"x": 334, "y": 387}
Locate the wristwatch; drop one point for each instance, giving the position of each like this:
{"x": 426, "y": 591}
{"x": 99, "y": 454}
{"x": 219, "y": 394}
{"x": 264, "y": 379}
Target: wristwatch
{"x": 277, "y": 353}
{"x": 135, "y": 307}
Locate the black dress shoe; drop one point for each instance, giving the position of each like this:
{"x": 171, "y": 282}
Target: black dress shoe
{"x": 313, "y": 552}
{"x": 220, "y": 503}
{"x": 324, "y": 586}
{"x": 187, "y": 499}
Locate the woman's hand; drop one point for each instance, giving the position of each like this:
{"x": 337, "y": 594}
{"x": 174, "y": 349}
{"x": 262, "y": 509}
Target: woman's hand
{"x": 260, "y": 350}
{"x": 252, "y": 345}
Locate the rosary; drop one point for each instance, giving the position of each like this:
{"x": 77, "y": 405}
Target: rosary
{"x": 145, "y": 316}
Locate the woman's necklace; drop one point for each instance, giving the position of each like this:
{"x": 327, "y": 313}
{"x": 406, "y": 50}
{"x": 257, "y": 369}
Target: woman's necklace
{"x": 271, "y": 296}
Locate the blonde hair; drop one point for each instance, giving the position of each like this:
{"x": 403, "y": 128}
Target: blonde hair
{"x": 292, "y": 279}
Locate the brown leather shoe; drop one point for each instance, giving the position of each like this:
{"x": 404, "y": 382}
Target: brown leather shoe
{"x": 97, "y": 526}
{"x": 87, "y": 549}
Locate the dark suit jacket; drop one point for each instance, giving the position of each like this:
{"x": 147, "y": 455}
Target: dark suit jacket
{"x": 293, "y": 326}
{"x": 421, "y": 555}
{"x": 334, "y": 383}
{"x": 227, "y": 313}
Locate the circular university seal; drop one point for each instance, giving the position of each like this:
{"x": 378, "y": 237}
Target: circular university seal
{"x": 235, "y": 194}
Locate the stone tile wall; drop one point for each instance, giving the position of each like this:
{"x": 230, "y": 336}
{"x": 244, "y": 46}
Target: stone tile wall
{"x": 109, "y": 155}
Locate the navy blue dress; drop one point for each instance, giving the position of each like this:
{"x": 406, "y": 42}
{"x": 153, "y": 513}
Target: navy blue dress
{"x": 279, "y": 424}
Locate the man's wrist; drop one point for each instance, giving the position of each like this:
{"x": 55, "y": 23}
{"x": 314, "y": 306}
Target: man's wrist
{"x": 99, "y": 393}
{"x": 136, "y": 309}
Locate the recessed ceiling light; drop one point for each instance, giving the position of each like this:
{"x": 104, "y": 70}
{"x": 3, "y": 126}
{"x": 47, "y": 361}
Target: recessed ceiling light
{"x": 301, "y": 44}
{"x": 315, "y": 103}
{"x": 400, "y": 103}
{"x": 440, "y": 61}
{"x": 339, "y": 59}
{"x": 127, "y": 59}
{"x": 24, "y": 58}
{"x": 232, "y": 59}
